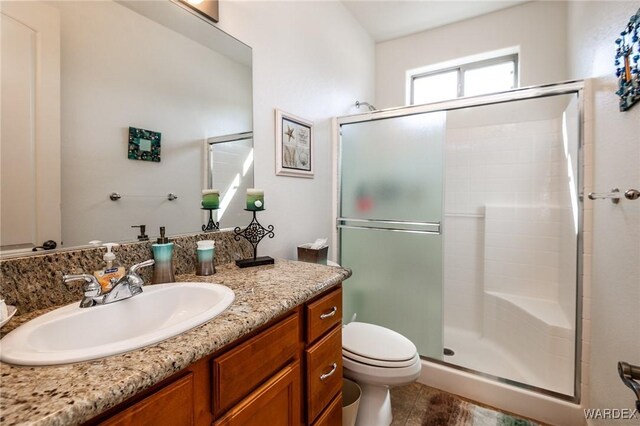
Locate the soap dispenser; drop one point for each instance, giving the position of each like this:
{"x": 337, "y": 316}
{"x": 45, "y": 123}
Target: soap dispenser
{"x": 112, "y": 271}
{"x": 163, "y": 255}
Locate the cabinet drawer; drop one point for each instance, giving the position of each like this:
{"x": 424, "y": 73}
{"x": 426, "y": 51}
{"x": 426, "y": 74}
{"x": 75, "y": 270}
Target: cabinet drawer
{"x": 324, "y": 372}
{"x": 332, "y": 416}
{"x": 276, "y": 403}
{"x": 171, "y": 405}
{"x": 323, "y": 314}
{"x": 242, "y": 369}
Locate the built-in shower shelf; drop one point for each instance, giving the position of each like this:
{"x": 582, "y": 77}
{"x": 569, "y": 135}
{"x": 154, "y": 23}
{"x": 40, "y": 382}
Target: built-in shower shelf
{"x": 547, "y": 311}
{"x": 534, "y": 331}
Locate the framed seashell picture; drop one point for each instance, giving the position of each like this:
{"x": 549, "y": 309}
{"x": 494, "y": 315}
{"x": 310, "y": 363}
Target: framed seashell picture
{"x": 294, "y": 145}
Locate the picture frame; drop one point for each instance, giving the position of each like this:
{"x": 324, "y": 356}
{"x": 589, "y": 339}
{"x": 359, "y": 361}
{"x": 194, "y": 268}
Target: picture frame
{"x": 144, "y": 145}
{"x": 294, "y": 145}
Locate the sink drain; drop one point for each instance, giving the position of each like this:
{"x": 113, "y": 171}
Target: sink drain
{"x": 448, "y": 352}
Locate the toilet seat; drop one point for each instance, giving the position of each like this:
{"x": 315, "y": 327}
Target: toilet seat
{"x": 377, "y": 362}
{"x": 375, "y": 345}
{"x": 383, "y": 376}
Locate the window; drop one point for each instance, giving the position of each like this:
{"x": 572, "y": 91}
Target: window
{"x": 475, "y": 78}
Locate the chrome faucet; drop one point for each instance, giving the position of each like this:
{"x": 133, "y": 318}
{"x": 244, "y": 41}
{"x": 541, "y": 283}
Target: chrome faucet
{"x": 92, "y": 288}
{"x": 124, "y": 288}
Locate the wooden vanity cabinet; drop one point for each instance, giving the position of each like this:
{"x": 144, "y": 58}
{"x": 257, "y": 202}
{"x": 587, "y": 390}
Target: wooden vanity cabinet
{"x": 277, "y": 402}
{"x": 332, "y": 416}
{"x": 173, "y": 404}
{"x": 287, "y": 373}
{"x": 323, "y": 354}
{"x": 242, "y": 369}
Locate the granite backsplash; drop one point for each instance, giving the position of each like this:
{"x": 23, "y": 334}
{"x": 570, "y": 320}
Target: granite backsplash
{"x": 35, "y": 282}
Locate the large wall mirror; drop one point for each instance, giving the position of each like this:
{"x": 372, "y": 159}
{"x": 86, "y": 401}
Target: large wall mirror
{"x": 77, "y": 77}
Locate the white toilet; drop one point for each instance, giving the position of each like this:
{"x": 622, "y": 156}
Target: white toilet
{"x": 377, "y": 358}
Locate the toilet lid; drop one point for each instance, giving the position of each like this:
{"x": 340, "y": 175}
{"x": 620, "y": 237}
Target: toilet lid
{"x": 378, "y": 363}
{"x": 376, "y": 343}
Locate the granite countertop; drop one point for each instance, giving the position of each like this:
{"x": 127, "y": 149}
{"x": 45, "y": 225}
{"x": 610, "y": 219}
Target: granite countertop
{"x": 74, "y": 393}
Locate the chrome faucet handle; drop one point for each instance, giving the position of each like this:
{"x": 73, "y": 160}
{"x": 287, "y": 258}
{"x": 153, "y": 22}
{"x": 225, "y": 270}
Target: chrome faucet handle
{"x": 134, "y": 269}
{"x": 129, "y": 285}
{"x": 91, "y": 287}
{"x": 132, "y": 278}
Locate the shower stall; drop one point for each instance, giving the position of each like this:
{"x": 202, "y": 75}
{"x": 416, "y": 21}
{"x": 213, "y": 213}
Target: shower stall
{"x": 462, "y": 223}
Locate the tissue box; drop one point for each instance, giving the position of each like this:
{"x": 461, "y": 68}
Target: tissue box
{"x": 306, "y": 254}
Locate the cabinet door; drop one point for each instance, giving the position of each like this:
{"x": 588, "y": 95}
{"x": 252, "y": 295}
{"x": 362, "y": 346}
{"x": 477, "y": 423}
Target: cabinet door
{"x": 324, "y": 372}
{"x": 242, "y": 369}
{"x": 276, "y": 403}
{"x": 171, "y": 406}
{"x": 332, "y": 416}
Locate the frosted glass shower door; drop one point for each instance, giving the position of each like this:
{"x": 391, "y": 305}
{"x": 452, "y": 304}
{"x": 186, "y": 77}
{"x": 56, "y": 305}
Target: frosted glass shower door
{"x": 390, "y": 234}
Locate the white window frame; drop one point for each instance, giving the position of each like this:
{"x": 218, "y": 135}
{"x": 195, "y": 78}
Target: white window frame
{"x": 461, "y": 68}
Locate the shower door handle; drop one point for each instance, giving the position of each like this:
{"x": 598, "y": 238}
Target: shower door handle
{"x": 614, "y": 195}
{"x": 412, "y": 227}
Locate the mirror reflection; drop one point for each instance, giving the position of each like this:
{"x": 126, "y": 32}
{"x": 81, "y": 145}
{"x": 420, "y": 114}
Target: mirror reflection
{"x": 77, "y": 77}
{"x": 230, "y": 171}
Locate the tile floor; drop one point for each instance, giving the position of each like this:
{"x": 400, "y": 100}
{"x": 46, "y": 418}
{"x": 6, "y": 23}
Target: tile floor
{"x": 420, "y": 405}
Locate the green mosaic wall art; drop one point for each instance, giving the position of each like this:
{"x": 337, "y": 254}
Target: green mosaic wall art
{"x": 144, "y": 145}
{"x": 627, "y": 63}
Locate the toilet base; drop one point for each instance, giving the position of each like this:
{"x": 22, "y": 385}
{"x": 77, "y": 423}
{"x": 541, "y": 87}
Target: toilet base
{"x": 375, "y": 406}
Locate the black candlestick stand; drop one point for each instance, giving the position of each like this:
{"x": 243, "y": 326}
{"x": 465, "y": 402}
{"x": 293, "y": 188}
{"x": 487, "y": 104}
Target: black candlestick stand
{"x": 254, "y": 233}
{"x": 211, "y": 225}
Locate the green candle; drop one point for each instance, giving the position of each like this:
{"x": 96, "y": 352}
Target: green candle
{"x": 255, "y": 199}
{"x": 211, "y": 198}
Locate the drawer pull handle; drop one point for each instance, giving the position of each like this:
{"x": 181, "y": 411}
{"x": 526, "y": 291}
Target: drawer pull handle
{"x": 329, "y": 314}
{"x": 325, "y": 376}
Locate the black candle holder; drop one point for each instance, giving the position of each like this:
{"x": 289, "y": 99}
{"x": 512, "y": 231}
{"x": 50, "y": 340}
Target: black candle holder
{"x": 254, "y": 233}
{"x": 211, "y": 225}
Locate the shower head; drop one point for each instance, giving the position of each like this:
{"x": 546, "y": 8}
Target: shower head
{"x": 371, "y": 107}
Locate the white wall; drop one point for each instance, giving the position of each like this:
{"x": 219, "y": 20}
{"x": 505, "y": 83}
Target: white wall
{"x": 612, "y": 296}
{"x": 311, "y": 59}
{"x": 160, "y": 81}
{"x": 538, "y": 28}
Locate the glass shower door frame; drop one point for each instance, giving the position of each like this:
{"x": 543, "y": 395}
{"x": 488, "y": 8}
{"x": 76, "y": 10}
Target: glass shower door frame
{"x": 576, "y": 87}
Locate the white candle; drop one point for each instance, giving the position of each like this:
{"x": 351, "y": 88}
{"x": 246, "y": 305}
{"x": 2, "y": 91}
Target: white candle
{"x": 255, "y": 199}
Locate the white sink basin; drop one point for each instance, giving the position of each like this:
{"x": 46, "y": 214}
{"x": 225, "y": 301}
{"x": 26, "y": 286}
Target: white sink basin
{"x": 72, "y": 334}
